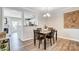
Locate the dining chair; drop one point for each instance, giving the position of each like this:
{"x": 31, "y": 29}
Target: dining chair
{"x": 39, "y": 29}
{"x": 50, "y": 36}
{"x": 41, "y": 37}
{"x": 38, "y": 36}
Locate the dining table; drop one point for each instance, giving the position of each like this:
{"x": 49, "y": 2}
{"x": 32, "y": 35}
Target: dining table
{"x": 45, "y": 32}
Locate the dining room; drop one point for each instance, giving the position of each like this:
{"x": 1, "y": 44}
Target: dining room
{"x": 41, "y": 28}
{"x": 53, "y": 33}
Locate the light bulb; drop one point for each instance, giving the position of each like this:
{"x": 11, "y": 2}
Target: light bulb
{"x": 44, "y": 15}
{"x": 48, "y": 14}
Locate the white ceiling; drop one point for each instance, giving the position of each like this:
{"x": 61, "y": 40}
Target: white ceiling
{"x": 36, "y": 9}
{"x": 42, "y": 8}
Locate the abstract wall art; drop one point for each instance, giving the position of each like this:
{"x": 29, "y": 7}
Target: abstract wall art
{"x": 71, "y": 20}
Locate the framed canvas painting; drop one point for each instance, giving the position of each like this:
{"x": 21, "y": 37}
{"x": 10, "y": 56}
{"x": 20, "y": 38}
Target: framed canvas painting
{"x": 71, "y": 20}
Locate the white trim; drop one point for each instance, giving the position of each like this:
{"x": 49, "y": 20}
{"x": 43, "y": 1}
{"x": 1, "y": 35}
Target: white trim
{"x": 26, "y": 39}
{"x": 68, "y": 38}
{"x": 64, "y": 37}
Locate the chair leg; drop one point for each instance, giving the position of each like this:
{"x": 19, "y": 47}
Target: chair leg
{"x": 50, "y": 42}
{"x": 39, "y": 43}
{"x": 53, "y": 40}
{"x": 47, "y": 39}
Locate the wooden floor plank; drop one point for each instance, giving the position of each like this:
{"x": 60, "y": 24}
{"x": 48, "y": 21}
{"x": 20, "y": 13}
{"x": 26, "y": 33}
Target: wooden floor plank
{"x": 60, "y": 45}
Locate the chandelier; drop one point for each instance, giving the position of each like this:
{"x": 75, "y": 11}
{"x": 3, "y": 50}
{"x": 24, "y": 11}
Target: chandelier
{"x": 46, "y": 13}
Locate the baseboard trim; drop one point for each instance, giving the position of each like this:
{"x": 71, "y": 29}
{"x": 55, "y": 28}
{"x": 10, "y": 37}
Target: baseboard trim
{"x": 26, "y": 39}
{"x": 64, "y": 37}
{"x": 68, "y": 38}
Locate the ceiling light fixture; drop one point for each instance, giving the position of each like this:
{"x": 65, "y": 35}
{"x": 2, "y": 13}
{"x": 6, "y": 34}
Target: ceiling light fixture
{"x": 47, "y": 14}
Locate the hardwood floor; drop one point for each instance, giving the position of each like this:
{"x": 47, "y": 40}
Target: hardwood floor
{"x": 60, "y": 45}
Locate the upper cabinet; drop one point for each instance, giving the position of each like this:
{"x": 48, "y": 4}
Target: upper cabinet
{"x": 30, "y": 19}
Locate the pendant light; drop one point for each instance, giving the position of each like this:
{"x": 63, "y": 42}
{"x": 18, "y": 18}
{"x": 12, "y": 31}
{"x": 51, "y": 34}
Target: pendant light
{"x": 47, "y": 14}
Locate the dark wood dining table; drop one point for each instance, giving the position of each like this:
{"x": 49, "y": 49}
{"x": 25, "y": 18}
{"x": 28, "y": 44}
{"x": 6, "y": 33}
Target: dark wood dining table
{"x": 45, "y": 34}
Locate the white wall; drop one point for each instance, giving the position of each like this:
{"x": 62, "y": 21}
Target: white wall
{"x": 57, "y": 21}
{"x": 8, "y": 12}
{"x": 1, "y": 19}
{"x": 28, "y": 31}
{"x": 13, "y": 15}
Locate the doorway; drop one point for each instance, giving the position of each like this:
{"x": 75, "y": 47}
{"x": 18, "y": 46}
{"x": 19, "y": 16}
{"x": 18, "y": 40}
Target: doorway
{"x": 15, "y": 31}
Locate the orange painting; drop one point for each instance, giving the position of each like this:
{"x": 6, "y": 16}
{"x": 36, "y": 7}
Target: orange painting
{"x": 71, "y": 19}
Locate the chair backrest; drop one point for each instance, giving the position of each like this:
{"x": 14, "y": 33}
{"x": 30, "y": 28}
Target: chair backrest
{"x": 52, "y": 33}
{"x": 36, "y": 34}
{"x": 50, "y": 28}
{"x": 39, "y": 29}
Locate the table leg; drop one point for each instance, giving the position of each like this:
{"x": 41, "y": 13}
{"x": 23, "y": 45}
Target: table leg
{"x": 56, "y": 35}
{"x": 45, "y": 43}
{"x": 34, "y": 41}
{"x": 9, "y": 44}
